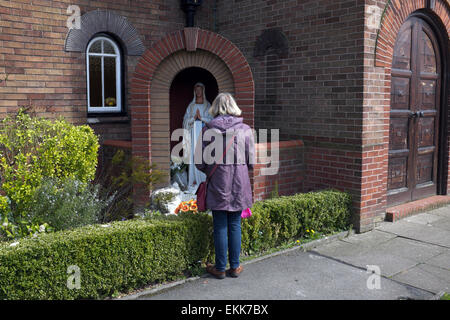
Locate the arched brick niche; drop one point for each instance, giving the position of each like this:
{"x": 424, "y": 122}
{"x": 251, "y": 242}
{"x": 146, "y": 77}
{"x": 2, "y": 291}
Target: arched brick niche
{"x": 395, "y": 14}
{"x": 155, "y": 71}
{"x": 159, "y": 98}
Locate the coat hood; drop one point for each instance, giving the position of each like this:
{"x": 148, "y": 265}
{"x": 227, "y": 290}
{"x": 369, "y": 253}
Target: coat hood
{"x": 225, "y": 122}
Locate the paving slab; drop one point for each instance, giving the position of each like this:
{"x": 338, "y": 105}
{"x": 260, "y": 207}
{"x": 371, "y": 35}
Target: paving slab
{"x": 369, "y": 239}
{"x": 420, "y": 232}
{"x": 386, "y": 255}
{"x": 340, "y": 250}
{"x": 427, "y": 277}
{"x": 442, "y": 260}
{"x": 410, "y": 249}
{"x": 389, "y": 264}
{"x": 424, "y": 218}
{"x": 444, "y": 211}
{"x": 443, "y": 223}
{"x": 296, "y": 275}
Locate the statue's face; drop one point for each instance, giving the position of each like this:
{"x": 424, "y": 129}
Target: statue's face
{"x": 199, "y": 91}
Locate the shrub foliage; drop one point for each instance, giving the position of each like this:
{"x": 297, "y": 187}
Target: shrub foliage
{"x": 130, "y": 254}
{"x": 33, "y": 149}
{"x": 66, "y": 204}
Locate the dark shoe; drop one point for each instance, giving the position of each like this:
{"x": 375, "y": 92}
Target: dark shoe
{"x": 216, "y": 273}
{"x": 234, "y": 273}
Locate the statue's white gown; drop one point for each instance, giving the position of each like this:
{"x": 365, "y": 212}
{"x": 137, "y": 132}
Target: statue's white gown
{"x": 195, "y": 127}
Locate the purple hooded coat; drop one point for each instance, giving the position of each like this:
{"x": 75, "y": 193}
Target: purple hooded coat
{"x": 229, "y": 187}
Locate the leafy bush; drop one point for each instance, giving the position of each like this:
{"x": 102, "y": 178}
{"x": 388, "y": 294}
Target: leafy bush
{"x": 161, "y": 200}
{"x": 258, "y": 233}
{"x": 280, "y": 220}
{"x": 117, "y": 180}
{"x": 32, "y": 149}
{"x": 125, "y": 255}
{"x": 130, "y": 254}
{"x": 66, "y": 204}
{"x": 325, "y": 211}
{"x": 4, "y": 206}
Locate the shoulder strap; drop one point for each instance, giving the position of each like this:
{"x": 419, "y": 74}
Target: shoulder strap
{"x": 223, "y": 155}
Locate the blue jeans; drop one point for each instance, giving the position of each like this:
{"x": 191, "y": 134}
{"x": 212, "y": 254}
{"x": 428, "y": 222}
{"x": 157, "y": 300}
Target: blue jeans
{"x": 227, "y": 237}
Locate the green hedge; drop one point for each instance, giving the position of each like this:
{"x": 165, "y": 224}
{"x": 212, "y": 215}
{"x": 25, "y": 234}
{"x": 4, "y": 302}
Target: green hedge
{"x": 283, "y": 219}
{"x": 132, "y": 254}
{"x": 128, "y": 254}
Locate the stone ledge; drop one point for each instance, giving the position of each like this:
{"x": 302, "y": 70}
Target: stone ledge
{"x": 117, "y": 143}
{"x": 281, "y": 144}
{"x": 404, "y": 210}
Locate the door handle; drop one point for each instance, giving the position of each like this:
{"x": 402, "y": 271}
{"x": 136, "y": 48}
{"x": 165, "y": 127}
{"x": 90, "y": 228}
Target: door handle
{"x": 413, "y": 115}
{"x": 417, "y": 114}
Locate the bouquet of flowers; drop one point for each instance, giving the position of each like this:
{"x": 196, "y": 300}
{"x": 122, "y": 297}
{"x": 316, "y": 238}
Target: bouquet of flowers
{"x": 178, "y": 172}
{"x": 177, "y": 165}
{"x": 187, "y": 207}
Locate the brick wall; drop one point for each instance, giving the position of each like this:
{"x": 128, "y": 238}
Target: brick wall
{"x": 378, "y": 50}
{"x": 375, "y": 139}
{"x": 308, "y": 81}
{"x": 290, "y": 177}
{"x": 321, "y": 75}
{"x": 316, "y": 79}
{"x": 317, "y": 85}
{"x": 41, "y": 74}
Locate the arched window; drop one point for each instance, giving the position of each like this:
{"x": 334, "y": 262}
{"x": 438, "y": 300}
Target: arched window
{"x": 104, "y": 79}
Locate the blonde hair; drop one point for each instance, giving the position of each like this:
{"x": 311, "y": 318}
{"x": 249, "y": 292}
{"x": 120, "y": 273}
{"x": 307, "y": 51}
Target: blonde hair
{"x": 224, "y": 104}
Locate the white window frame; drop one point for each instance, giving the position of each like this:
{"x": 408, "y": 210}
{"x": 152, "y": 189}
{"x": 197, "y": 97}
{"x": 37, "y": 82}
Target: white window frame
{"x": 117, "y": 55}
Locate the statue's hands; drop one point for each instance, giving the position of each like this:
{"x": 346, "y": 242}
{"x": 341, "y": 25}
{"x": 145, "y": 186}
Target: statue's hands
{"x": 197, "y": 115}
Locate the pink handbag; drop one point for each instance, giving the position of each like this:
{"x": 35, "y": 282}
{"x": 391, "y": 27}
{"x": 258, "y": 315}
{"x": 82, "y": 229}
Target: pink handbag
{"x": 247, "y": 213}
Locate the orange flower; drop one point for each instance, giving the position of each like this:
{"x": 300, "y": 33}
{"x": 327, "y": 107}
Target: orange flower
{"x": 185, "y": 208}
{"x": 177, "y": 210}
{"x": 194, "y": 207}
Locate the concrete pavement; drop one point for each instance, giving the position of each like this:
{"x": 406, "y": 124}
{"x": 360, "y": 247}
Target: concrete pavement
{"x": 412, "y": 257}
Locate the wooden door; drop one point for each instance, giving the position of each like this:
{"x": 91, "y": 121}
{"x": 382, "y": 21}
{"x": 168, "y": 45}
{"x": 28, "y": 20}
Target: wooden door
{"x": 414, "y": 116}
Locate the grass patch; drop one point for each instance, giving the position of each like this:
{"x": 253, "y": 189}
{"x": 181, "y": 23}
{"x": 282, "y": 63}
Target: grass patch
{"x": 445, "y": 296}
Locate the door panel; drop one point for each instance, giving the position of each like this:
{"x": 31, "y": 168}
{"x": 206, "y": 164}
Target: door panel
{"x": 414, "y": 117}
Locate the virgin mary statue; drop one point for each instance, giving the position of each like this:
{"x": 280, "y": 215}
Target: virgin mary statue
{"x": 195, "y": 118}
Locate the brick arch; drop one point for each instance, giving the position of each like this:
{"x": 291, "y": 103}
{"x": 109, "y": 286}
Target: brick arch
{"x": 191, "y": 47}
{"x": 97, "y": 21}
{"x": 395, "y": 14}
{"x": 160, "y": 100}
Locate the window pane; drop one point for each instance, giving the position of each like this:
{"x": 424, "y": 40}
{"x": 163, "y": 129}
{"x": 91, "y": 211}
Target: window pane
{"x": 108, "y": 48}
{"x": 110, "y": 81}
{"x": 95, "y": 81}
{"x": 96, "y": 47}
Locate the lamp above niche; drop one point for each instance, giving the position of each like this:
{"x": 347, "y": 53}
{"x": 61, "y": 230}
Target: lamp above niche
{"x": 189, "y": 7}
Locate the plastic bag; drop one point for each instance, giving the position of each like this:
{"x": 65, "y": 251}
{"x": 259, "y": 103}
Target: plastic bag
{"x": 247, "y": 213}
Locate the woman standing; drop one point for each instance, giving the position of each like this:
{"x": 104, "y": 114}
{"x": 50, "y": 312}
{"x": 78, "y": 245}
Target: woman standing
{"x": 229, "y": 190}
